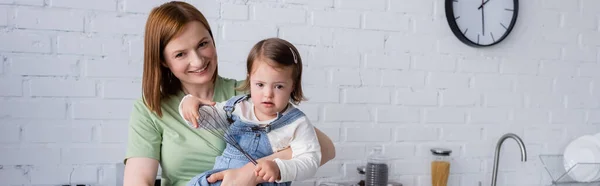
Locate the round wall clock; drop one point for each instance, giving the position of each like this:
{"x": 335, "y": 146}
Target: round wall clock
{"x": 481, "y": 23}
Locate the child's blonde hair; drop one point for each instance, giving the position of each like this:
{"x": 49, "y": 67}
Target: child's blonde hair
{"x": 277, "y": 53}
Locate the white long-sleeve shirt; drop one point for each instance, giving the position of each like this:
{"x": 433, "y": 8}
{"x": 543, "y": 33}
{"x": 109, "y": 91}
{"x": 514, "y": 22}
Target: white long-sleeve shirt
{"x": 299, "y": 135}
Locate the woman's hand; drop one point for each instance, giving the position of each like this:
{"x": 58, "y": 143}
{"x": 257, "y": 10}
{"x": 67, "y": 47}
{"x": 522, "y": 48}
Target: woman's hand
{"x": 190, "y": 107}
{"x": 243, "y": 176}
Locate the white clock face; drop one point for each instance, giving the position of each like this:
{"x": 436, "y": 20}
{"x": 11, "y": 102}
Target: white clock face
{"x": 483, "y": 21}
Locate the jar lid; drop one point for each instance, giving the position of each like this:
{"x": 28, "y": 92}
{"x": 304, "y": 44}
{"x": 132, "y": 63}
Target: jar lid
{"x": 361, "y": 169}
{"x": 441, "y": 151}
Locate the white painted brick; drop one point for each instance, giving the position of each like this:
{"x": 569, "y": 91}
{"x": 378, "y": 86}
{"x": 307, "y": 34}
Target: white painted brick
{"x": 546, "y": 101}
{"x": 113, "y": 131}
{"x": 557, "y": 5}
{"x": 593, "y": 117}
{"x": 489, "y": 115}
{"x": 43, "y": 108}
{"x": 427, "y": 25}
{"x": 30, "y": 2}
{"x": 330, "y": 169}
{"x": 235, "y": 51}
{"x": 479, "y": 149}
{"x": 416, "y": 97}
{"x": 492, "y": 82}
{"x": 312, "y": 111}
{"x": 93, "y": 154}
{"x": 370, "y": 77}
{"x": 25, "y": 41}
{"x": 461, "y": 133}
{"x": 86, "y": 4}
{"x": 534, "y": 84}
{"x": 463, "y": 165}
{"x": 460, "y": 97}
{"x": 368, "y": 134}
{"x": 279, "y": 15}
{"x": 367, "y": 95}
{"x": 493, "y": 132}
{"x": 13, "y": 176}
{"x": 542, "y": 134}
{"x": 329, "y": 57}
{"x": 114, "y": 23}
{"x": 417, "y": 133}
{"x": 478, "y": 65}
{"x": 141, "y": 6}
{"x": 346, "y": 77}
{"x": 532, "y": 116}
{"x": 29, "y": 155}
{"x": 101, "y": 109}
{"x": 73, "y": 43}
{"x": 9, "y": 134}
{"x": 424, "y": 149}
{"x": 44, "y": 65}
{"x": 122, "y": 89}
{"x": 580, "y": 21}
{"x": 45, "y": 18}
{"x": 589, "y": 70}
{"x": 581, "y": 100}
{"x": 106, "y": 68}
{"x": 355, "y": 113}
{"x": 380, "y": 60}
{"x": 435, "y": 63}
{"x": 382, "y": 20}
{"x": 57, "y": 132}
{"x": 375, "y": 5}
{"x": 58, "y": 87}
{"x": 402, "y": 150}
{"x": 11, "y": 86}
{"x": 239, "y": 31}
{"x": 448, "y": 80}
{"x": 515, "y": 66}
{"x": 316, "y": 76}
{"x": 589, "y": 6}
{"x": 450, "y": 45}
{"x": 411, "y": 167}
{"x": 4, "y": 15}
{"x": 350, "y": 152}
{"x": 567, "y": 85}
{"x": 403, "y": 78}
{"x": 555, "y": 68}
{"x": 306, "y": 35}
{"x": 85, "y": 175}
{"x": 568, "y": 117}
{"x": 445, "y": 115}
{"x": 369, "y": 40}
{"x": 312, "y": 4}
{"x": 57, "y": 175}
{"x": 210, "y": 8}
{"x": 420, "y": 43}
{"x": 234, "y": 11}
{"x": 424, "y": 7}
{"x": 343, "y": 19}
{"x": 577, "y": 53}
{"x": 395, "y": 114}
{"x": 504, "y": 99}
{"x": 560, "y": 36}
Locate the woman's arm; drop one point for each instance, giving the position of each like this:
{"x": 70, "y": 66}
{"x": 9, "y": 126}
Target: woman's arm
{"x": 140, "y": 172}
{"x": 327, "y": 148}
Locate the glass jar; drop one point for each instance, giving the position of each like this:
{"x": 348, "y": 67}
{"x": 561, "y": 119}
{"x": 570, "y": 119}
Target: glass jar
{"x": 361, "y": 174}
{"x": 377, "y": 169}
{"x": 440, "y": 166}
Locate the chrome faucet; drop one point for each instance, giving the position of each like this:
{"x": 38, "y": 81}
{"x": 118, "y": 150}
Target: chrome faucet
{"x": 497, "y": 155}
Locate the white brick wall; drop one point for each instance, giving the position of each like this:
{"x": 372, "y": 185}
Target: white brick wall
{"x": 377, "y": 72}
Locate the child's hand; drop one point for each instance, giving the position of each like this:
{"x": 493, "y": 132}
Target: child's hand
{"x": 268, "y": 170}
{"x": 190, "y": 107}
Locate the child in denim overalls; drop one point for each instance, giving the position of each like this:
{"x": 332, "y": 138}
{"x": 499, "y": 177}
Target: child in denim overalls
{"x": 266, "y": 120}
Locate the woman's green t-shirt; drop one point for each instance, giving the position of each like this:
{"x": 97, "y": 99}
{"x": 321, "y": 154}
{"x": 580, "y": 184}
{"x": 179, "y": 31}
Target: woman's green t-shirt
{"x": 183, "y": 152}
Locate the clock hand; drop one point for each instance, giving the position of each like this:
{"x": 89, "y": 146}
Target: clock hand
{"x": 481, "y": 6}
{"x": 482, "y": 17}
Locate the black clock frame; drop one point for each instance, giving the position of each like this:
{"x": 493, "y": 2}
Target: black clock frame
{"x": 458, "y": 33}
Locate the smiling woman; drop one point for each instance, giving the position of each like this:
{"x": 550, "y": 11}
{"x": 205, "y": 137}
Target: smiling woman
{"x": 180, "y": 58}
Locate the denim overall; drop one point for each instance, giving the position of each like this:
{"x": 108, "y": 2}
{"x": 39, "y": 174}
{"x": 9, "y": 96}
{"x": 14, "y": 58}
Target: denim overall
{"x": 251, "y": 137}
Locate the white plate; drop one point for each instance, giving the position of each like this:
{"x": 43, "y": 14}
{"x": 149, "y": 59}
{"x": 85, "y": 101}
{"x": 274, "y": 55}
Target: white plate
{"x": 585, "y": 149}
